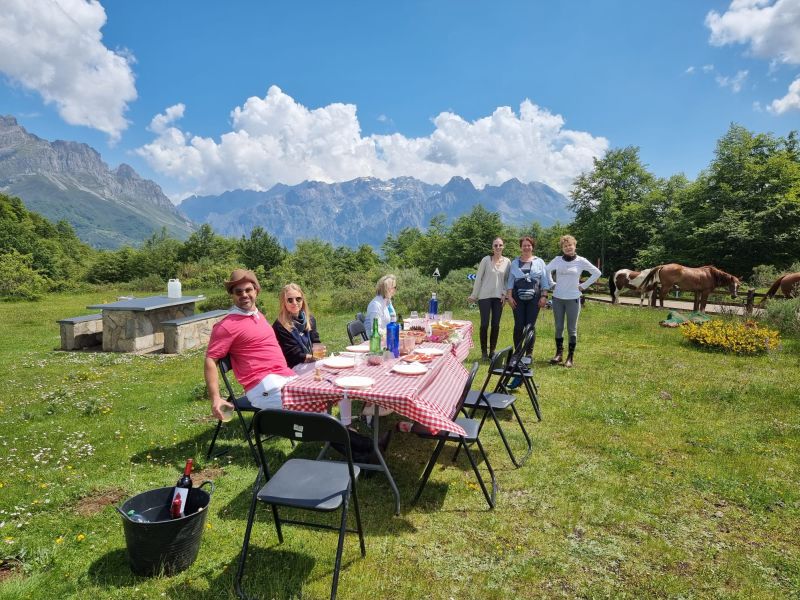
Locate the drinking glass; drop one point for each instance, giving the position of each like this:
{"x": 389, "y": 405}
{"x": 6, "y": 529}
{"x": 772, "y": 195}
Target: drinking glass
{"x": 448, "y": 315}
{"x": 414, "y": 315}
{"x": 318, "y": 351}
{"x": 227, "y": 412}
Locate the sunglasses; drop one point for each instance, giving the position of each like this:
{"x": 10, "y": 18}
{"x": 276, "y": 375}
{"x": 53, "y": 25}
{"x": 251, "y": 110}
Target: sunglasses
{"x": 299, "y": 299}
{"x": 240, "y": 291}
{"x": 497, "y": 245}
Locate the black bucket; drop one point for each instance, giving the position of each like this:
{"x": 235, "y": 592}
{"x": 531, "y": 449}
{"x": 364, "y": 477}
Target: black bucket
{"x": 162, "y": 544}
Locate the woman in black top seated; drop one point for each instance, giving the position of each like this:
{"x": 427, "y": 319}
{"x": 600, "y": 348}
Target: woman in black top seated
{"x": 295, "y": 327}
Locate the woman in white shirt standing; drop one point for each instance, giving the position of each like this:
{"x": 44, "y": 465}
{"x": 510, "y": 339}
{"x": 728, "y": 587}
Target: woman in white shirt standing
{"x": 489, "y": 290}
{"x": 567, "y": 295}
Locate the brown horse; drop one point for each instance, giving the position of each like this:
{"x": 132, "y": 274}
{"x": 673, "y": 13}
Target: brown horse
{"x": 701, "y": 280}
{"x": 789, "y": 285}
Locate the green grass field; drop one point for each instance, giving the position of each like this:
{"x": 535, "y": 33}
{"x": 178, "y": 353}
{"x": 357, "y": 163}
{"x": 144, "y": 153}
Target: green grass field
{"x": 659, "y": 471}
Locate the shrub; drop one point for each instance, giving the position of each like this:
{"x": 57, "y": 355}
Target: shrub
{"x": 18, "y": 279}
{"x": 731, "y": 336}
{"x": 784, "y": 315}
{"x": 763, "y": 276}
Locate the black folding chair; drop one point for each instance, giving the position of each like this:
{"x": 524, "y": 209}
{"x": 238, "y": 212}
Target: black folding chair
{"x": 493, "y": 402}
{"x": 357, "y": 332}
{"x": 471, "y": 427}
{"x": 317, "y": 485}
{"x": 240, "y": 404}
{"x": 515, "y": 367}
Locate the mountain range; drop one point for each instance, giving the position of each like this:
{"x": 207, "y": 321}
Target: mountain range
{"x": 366, "y": 210}
{"x": 69, "y": 181}
{"x": 108, "y": 208}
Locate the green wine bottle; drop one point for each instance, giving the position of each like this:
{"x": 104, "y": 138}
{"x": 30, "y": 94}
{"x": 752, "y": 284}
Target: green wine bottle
{"x": 375, "y": 338}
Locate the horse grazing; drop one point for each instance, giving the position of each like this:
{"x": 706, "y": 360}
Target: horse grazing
{"x": 701, "y": 280}
{"x": 789, "y": 285}
{"x": 625, "y": 278}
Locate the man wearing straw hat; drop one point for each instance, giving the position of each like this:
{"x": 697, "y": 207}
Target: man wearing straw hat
{"x": 256, "y": 357}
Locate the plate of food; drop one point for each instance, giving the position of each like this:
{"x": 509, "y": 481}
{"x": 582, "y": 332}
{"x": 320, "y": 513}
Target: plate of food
{"x": 413, "y": 368}
{"x": 354, "y": 382}
{"x": 358, "y": 348}
{"x": 429, "y": 351}
{"x": 418, "y": 358}
{"x": 338, "y": 362}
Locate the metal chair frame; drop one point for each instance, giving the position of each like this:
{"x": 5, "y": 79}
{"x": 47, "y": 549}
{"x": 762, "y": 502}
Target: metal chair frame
{"x": 463, "y": 441}
{"x": 331, "y": 488}
{"x": 493, "y": 402}
{"x": 240, "y": 404}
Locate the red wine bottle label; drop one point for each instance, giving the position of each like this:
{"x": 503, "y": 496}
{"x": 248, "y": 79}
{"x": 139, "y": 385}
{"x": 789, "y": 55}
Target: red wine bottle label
{"x": 179, "y": 497}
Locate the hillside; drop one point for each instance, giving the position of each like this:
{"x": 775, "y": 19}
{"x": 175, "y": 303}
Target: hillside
{"x": 70, "y": 181}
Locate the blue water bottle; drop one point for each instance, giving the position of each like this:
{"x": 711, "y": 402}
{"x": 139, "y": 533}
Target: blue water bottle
{"x": 393, "y": 336}
{"x": 433, "y": 306}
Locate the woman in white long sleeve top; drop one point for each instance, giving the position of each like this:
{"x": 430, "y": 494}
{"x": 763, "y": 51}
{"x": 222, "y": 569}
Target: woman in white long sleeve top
{"x": 567, "y": 295}
{"x": 490, "y": 291}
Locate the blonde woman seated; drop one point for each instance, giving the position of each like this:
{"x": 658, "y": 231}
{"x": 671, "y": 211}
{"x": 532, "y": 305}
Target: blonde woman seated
{"x": 380, "y": 307}
{"x": 295, "y": 327}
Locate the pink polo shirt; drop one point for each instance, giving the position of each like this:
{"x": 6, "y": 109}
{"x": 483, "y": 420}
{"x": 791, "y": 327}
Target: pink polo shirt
{"x": 254, "y": 350}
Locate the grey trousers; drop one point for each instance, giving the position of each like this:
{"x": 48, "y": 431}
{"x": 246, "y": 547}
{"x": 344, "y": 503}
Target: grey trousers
{"x": 570, "y": 308}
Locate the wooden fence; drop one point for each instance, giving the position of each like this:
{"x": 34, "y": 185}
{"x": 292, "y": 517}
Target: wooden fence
{"x": 749, "y": 298}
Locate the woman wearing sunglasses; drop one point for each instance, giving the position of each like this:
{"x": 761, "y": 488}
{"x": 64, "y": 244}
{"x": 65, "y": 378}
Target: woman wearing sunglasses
{"x": 295, "y": 327}
{"x": 490, "y": 292}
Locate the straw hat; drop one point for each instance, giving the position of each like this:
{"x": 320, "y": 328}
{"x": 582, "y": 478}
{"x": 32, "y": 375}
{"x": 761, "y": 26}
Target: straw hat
{"x": 240, "y": 275}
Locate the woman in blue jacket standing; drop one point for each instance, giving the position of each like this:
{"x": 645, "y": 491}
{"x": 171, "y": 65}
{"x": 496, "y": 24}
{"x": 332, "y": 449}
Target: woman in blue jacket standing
{"x": 526, "y": 289}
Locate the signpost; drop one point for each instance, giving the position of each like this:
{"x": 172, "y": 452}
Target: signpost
{"x": 436, "y": 275}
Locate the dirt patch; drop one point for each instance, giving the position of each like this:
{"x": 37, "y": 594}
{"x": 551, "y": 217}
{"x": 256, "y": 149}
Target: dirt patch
{"x": 95, "y": 502}
{"x": 208, "y": 474}
{"x": 9, "y": 567}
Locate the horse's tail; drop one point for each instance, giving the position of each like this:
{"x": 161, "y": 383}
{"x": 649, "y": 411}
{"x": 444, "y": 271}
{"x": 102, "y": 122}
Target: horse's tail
{"x": 773, "y": 290}
{"x": 652, "y": 279}
{"x": 612, "y": 287}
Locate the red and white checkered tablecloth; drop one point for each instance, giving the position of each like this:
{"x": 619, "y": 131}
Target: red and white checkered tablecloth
{"x": 461, "y": 348}
{"x": 428, "y": 399}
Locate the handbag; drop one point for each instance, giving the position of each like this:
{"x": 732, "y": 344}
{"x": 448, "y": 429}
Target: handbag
{"x": 526, "y": 288}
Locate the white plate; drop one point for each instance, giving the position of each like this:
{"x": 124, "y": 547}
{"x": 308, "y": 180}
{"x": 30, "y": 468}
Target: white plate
{"x": 354, "y": 382}
{"x": 410, "y": 368}
{"x": 358, "y": 348}
{"x": 338, "y": 362}
{"x": 429, "y": 351}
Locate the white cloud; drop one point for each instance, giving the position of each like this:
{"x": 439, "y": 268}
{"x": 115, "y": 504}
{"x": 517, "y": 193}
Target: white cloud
{"x": 55, "y": 48}
{"x": 791, "y": 101}
{"x": 689, "y": 70}
{"x": 276, "y": 139}
{"x": 770, "y": 28}
{"x": 735, "y": 83}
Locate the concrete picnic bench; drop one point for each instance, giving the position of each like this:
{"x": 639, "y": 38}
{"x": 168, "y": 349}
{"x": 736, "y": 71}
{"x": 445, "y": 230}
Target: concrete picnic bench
{"x": 81, "y": 332}
{"x": 189, "y": 332}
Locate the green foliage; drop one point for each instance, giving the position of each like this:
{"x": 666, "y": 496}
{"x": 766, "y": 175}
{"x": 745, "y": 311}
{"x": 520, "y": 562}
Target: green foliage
{"x": 763, "y": 276}
{"x": 55, "y": 251}
{"x": 783, "y": 315}
{"x": 261, "y": 249}
{"x": 18, "y": 279}
{"x": 204, "y": 244}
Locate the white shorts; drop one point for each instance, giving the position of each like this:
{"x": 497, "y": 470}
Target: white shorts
{"x": 267, "y": 393}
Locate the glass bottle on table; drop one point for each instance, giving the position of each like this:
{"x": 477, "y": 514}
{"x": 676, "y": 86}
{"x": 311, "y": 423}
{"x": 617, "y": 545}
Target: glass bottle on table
{"x": 375, "y": 338}
{"x": 393, "y": 336}
{"x": 433, "y": 306}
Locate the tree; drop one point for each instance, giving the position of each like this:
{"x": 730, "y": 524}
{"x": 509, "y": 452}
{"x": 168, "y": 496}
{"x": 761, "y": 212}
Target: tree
{"x": 261, "y": 248}
{"x": 744, "y": 210}
{"x": 616, "y": 209}
{"x": 469, "y": 239}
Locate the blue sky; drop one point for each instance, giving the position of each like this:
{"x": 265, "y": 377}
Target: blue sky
{"x": 204, "y": 96}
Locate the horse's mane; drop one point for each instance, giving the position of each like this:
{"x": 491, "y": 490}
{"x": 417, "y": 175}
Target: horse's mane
{"x": 720, "y": 276}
